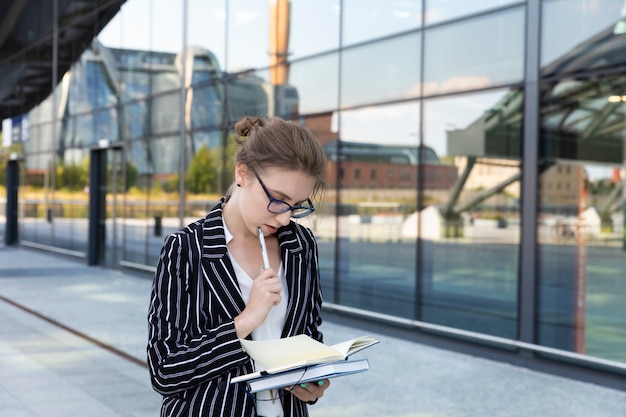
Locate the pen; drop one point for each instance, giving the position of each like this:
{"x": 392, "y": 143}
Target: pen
{"x": 266, "y": 265}
{"x": 266, "y": 261}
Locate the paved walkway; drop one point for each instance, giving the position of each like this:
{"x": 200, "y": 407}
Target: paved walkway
{"x": 72, "y": 343}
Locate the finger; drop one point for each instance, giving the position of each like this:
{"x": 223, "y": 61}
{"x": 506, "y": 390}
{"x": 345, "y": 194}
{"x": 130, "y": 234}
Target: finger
{"x": 272, "y": 286}
{"x": 265, "y": 274}
{"x": 314, "y": 388}
{"x": 323, "y": 384}
{"x": 317, "y": 388}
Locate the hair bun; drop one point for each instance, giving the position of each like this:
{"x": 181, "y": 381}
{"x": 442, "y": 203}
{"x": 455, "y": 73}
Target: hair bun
{"x": 246, "y": 125}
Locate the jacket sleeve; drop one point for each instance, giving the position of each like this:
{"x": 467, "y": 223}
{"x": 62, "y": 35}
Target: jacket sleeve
{"x": 182, "y": 353}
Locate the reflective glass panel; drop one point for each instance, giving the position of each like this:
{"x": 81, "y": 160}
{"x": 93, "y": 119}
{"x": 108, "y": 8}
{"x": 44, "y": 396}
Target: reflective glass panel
{"x": 106, "y": 124}
{"x": 206, "y": 27}
{"x": 581, "y": 34}
{"x": 126, "y": 42}
{"x": 169, "y": 14}
{"x": 322, "y": 220}
{"x": 165, "y": 158}
{"x": 315, "y": 83}
{"x": 41, "y": 129}
{"x": 440, "y": 10}
{"x": 205, "y": 105}
{"x": 151, "y": 202}
{"x": 376, "y": 164}
{"x": 134, "y": 119}
{"x": 364, "y": 20}
{"x": 470, "y": 223}
{"x": 116, "y": 187}
{"x": 248, "y": 24}
{"x": 141, "y": 213}
{"x": 71, "y": 208}
{"x": 314, "y": 27}
{"x": 249, "y": 94}
{"x": 130, "y": 28}
{"x": 581, "y": 229}
{"x": 165, "y": 113}
{"x": 37, "y": 206}
{"x": 482, "y": 52}
{"x": 381, "y": 71}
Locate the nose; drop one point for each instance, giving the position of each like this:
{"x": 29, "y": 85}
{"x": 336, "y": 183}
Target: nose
{"x": 284, "y": 218}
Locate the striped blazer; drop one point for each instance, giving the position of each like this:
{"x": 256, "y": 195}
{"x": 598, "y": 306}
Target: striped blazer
{"x": 193, "y": 350}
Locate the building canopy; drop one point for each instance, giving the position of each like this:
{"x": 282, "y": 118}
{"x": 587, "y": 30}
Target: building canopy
{"x": 27, "y": 45}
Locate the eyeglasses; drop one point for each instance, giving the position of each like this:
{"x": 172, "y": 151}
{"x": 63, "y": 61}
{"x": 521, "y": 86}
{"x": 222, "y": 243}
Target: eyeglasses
{"x": 277, "y": 206}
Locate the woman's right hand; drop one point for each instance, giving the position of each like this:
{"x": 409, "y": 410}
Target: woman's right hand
{"x": 264, "y": 295}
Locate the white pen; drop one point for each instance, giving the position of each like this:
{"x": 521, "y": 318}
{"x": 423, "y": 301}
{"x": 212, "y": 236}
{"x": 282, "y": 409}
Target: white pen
{"x": 266, "y": 265}
{"x": 266, "y": 261}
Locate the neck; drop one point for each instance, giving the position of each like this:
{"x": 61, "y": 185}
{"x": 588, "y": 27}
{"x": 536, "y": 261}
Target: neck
{"x": 232, "y": 217}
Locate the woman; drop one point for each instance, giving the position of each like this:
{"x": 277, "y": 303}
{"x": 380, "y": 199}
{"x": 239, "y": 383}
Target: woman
{"x": 210, "y": 288}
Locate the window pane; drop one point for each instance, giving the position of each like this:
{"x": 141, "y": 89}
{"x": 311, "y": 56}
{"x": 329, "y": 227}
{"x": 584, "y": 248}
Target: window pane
{"x": 206, "y": 27}
{"x": 106, "y": 125}
{"x": 440, "y": 10}
{"x": 84, "y": 128}
{"x": 34, "y": 224}
{"x": 169, "y": 38}
{"x": 471, "y": 229}
{"x": 206, "y": 105}
{"x": 135, "y": 118}
{"x": 165, "y": 157}
{"x": 248, "y": 24}
{"x": 150, "y": 207}
{"x": 247, "y": 95}
{"x": 309, "y": 17}
{"x": 579, "y": 34}
{"x": 71, "y": 206}
{"x": 477, "y": 53}
{"x": 136, "y": 45}
{"x": 376, "y": 165}
{"x": 316, "y": 83}
{"x": 165, "y": 113}
{"x": 581, "y": 229}
{"x": 370, "y": 19}
{"x": 382, "y": 71}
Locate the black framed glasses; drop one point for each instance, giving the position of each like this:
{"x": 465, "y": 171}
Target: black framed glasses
{"x": 276, "y": 206}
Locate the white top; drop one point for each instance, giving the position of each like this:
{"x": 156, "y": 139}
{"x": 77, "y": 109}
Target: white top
{"x": 271, "y": 328}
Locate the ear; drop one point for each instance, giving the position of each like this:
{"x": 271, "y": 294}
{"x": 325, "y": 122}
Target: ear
{"x": 241, "y": 170}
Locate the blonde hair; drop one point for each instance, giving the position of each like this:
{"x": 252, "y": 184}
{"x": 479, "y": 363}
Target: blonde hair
{"x": 278, "y": 143}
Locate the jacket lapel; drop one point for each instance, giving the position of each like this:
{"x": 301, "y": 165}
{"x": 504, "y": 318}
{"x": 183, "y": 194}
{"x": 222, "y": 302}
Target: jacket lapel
{"x": 217, "y": 269}
{"x": 291, "y": 250}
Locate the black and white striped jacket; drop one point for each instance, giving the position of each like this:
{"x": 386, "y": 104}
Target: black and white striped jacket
{"x": 193, "y": 349}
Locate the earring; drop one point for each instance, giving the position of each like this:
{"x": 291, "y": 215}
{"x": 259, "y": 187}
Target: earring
{"x": 238, "y": 185}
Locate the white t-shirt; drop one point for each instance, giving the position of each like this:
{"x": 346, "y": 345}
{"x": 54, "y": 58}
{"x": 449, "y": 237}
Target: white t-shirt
{"x": 271, "y": 328}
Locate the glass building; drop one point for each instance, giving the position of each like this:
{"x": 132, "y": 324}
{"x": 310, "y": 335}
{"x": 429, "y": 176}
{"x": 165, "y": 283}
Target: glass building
{"x": 476, "y": 154}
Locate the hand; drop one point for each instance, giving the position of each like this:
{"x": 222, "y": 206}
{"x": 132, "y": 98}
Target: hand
{"x": 264, "y": 294}
{"x": 309, "y": 392}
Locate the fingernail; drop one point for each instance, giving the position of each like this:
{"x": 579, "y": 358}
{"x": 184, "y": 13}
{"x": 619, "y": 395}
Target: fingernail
{"x": 303, "y": 385}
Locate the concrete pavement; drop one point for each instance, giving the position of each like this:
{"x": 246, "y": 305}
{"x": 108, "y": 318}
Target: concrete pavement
{"x": 72, "y": 343}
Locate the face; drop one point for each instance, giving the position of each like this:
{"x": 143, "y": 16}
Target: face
{"x": 290, "y": 187}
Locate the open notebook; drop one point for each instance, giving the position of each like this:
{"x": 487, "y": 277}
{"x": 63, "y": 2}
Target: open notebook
{"x": 302, "y": 353}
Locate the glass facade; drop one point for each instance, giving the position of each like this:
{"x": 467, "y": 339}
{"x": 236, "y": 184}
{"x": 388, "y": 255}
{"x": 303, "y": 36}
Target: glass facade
{"x": 426, "y": 110}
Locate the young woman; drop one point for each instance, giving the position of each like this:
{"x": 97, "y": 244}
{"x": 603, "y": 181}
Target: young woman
{"x": 210, "y": 287}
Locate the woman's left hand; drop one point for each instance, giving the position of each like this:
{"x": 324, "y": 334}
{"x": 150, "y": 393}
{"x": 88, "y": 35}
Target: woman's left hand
{"x": 309, "y": 392}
